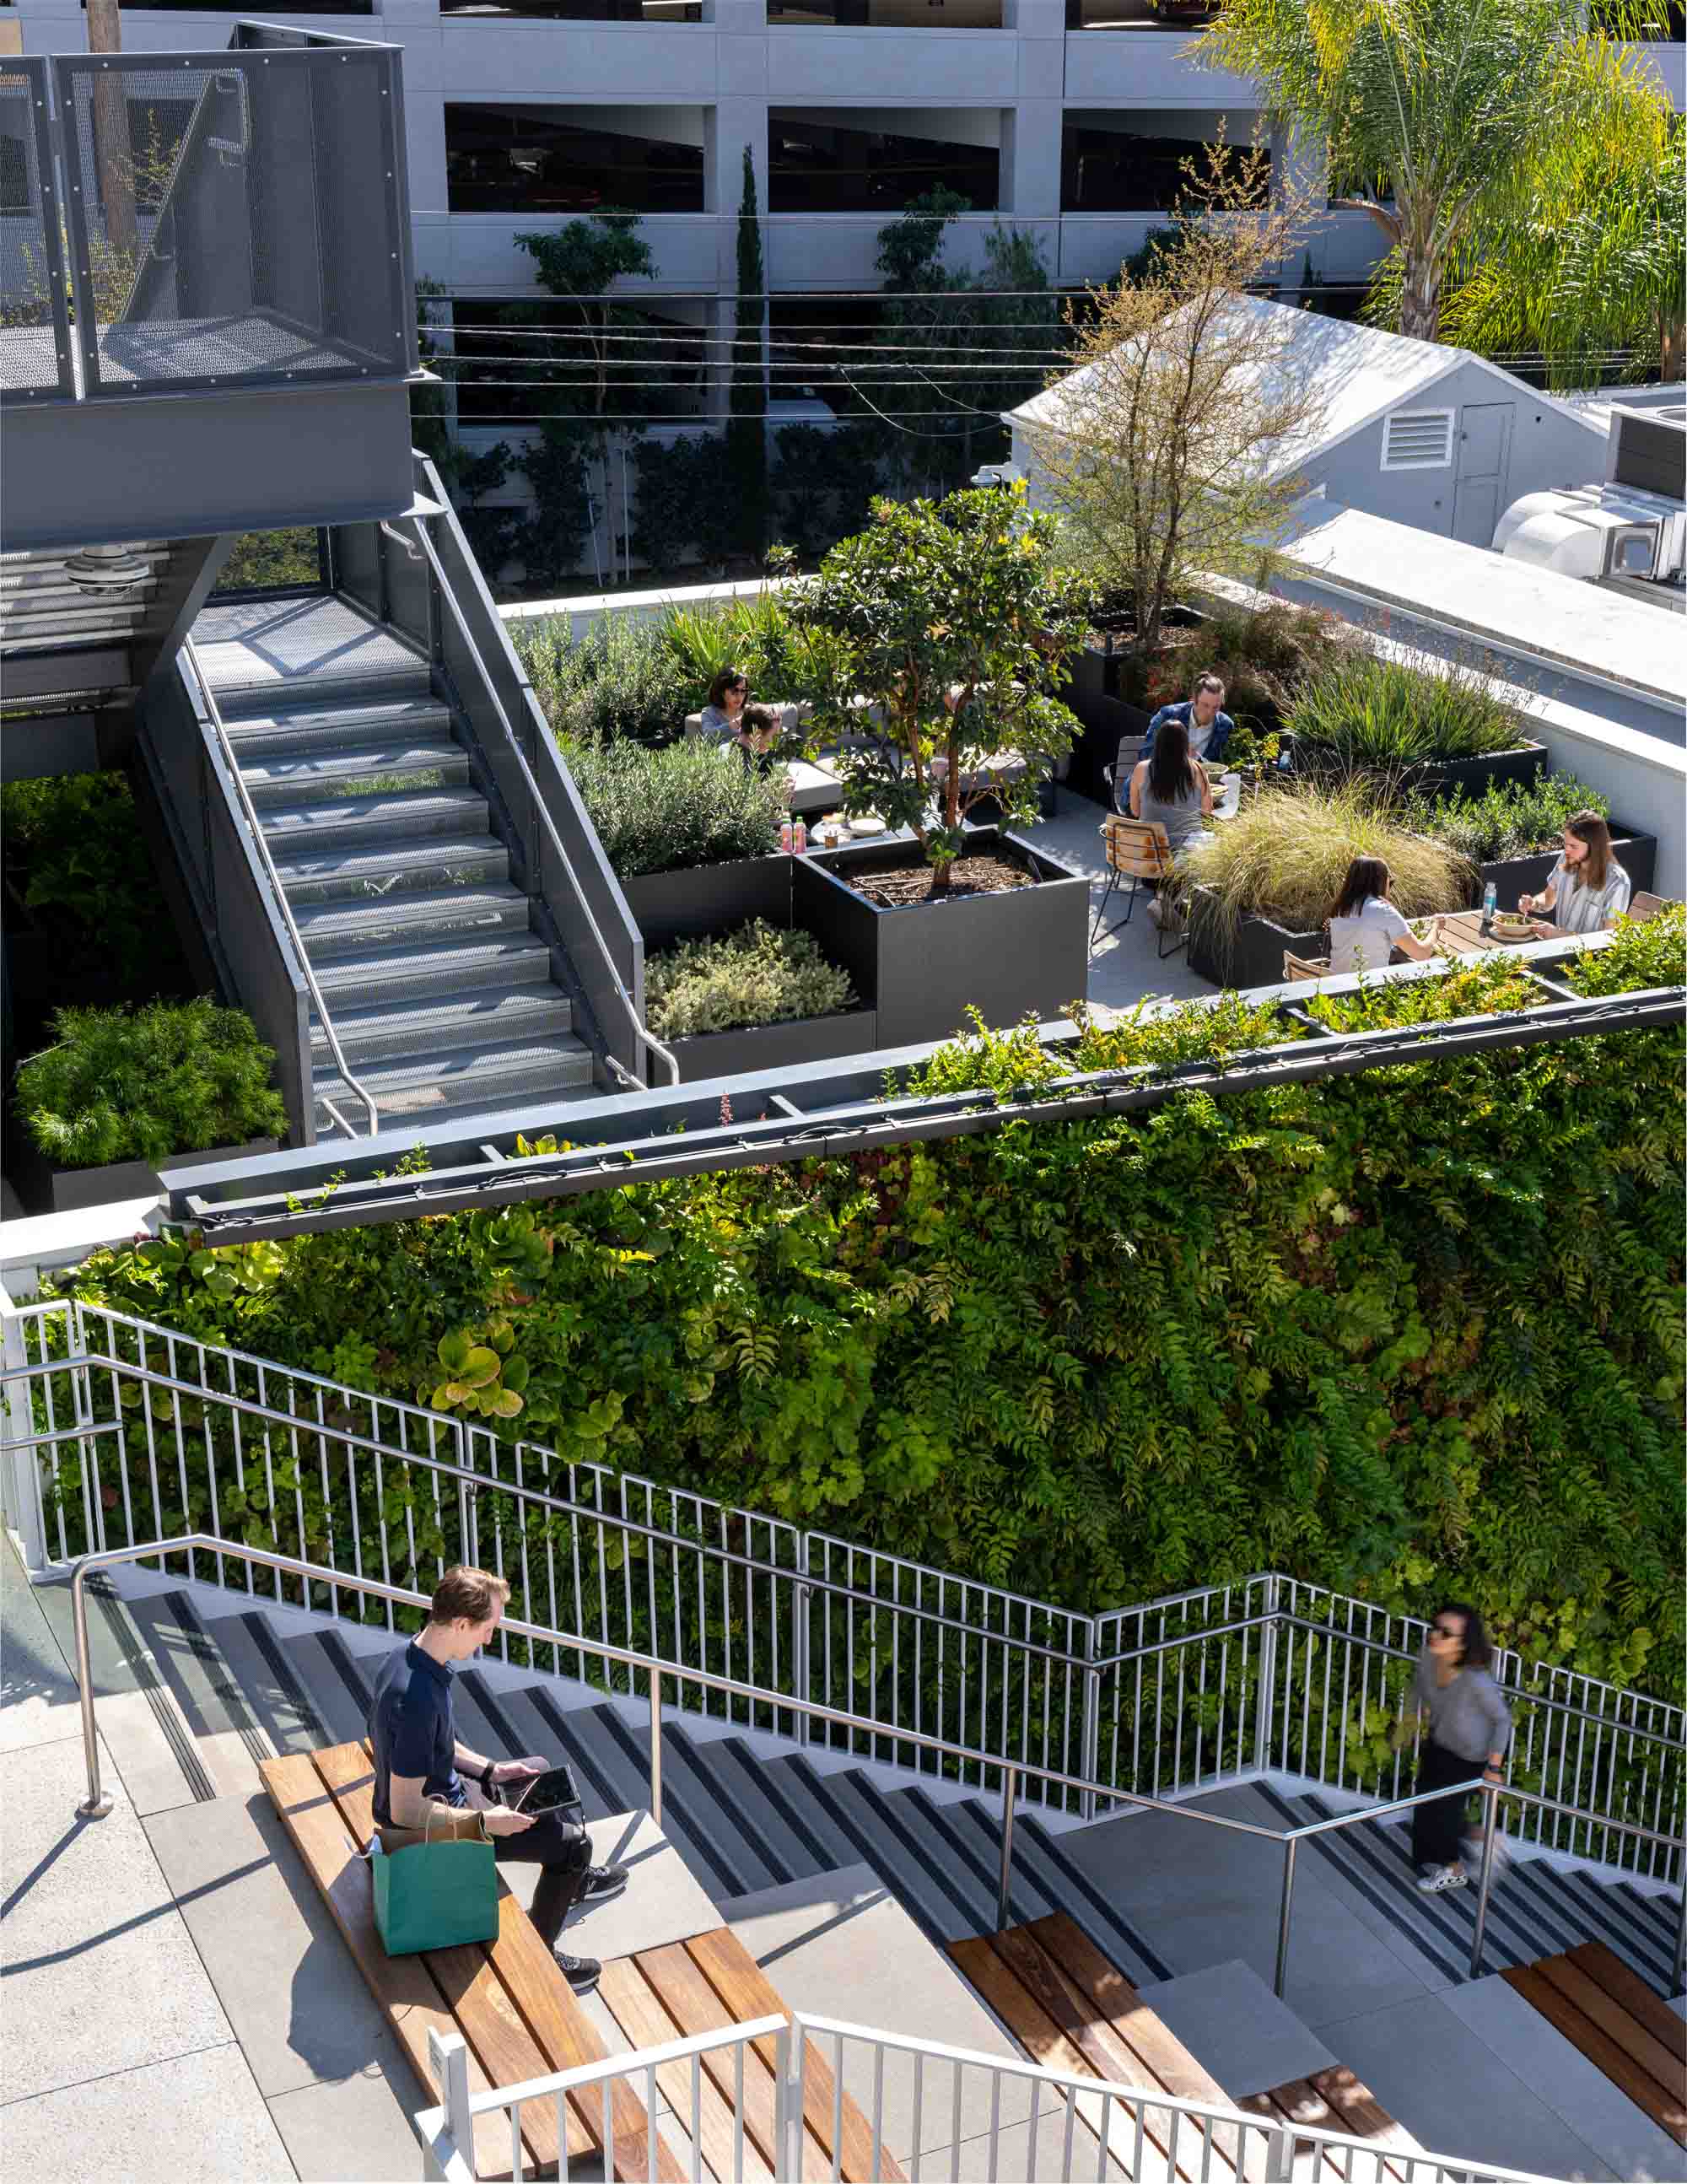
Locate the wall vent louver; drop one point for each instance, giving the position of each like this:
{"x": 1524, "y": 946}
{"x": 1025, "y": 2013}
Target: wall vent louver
{"x": 1417, "y": 440}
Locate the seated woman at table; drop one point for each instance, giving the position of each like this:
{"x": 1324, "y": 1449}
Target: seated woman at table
{"x": 758, "y": 738}
{"x": 1169, "y": 788}
{"x": 1587, "y": 890}
{"x": 1366, "y": 927}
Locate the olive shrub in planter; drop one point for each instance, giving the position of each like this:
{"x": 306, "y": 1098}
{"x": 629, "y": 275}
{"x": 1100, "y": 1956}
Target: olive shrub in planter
{"x": 763, "y": 997}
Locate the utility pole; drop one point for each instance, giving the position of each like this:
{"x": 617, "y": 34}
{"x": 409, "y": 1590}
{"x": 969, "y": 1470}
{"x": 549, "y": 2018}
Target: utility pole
{"x": 111, "y": 137}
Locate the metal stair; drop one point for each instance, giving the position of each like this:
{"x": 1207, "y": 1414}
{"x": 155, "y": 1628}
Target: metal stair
{"x": 1536, "y": 1909}
{"x": 444, "y": 997}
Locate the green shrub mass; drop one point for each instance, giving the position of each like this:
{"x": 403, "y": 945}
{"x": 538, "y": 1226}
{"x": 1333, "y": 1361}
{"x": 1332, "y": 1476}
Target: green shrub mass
{"x": 172, "y": 1078}
{"x": 78, "y": 869}
{"x": 665, "y": 810}
{"x": 1400, "y": 1331}
{"x": 756, "y": 976}
{"x": 1509, "y": 819}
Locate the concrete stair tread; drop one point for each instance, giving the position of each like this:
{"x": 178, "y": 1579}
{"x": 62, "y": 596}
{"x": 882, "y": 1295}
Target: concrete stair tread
{"x": 439, "y": 969}
{"x": 389, "y": 861}
{"x": 493, "y": 905}
{"x": 522, "y": 1012}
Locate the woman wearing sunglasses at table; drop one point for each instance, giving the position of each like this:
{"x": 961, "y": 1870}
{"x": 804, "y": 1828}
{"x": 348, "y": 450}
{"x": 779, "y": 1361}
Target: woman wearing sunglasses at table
{"x": 1470, "y": 1726}
{"x": 1587, "y": 890}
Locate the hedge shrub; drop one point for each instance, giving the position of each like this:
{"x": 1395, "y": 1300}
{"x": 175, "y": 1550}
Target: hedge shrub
{"x": 1401, "y": 1332}
{"x": 665, "y": 811}
{"x": 758, "y": 975}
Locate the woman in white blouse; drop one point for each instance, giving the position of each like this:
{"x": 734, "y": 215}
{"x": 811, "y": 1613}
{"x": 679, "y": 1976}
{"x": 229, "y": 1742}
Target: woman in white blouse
{"x": 1366, "y": 927}
{"x": 1587, "y": 890}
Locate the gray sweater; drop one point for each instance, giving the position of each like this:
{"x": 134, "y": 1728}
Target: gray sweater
{"x": 1469, "y": 1716}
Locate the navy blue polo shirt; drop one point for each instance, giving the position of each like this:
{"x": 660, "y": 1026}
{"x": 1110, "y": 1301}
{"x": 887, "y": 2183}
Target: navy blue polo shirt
{"x": 410, "y": 1729}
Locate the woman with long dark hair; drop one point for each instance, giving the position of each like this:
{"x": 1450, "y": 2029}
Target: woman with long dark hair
{"x": 1469, "y": 1729}
{"x": 1168, "y": 787}
{"x": 1587, "y": 889}
{"x": 1365, "y": 926}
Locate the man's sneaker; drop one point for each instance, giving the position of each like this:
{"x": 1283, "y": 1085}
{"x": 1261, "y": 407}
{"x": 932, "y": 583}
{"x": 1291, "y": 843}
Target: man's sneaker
{"x": 602, "y": 1881}
{"x": 581, "y": 1972}
{"x": 1435, "y": 1878}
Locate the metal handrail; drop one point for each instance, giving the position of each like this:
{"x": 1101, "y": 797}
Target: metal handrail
{"x": 215, "y": 714}
{"x": 96, "y": 1805}
{"x": 640, "y": 1030}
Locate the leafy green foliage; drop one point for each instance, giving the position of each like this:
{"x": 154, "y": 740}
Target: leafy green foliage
{"x": 171, "y": 1077}
{"x": 78, "y": 870}
{"x": 692, "y": 803}
{"x": 1509, "y": 819}
{"x": 758, "y": 975}
{"x": 272, "y": 561}
{"x": 480, "y": 1377}
{"x": 956, "y": 620}
{"x": 1361, "y": 713}
{"x": 688, "y": 504}
{"x": 1645, "y": 954}
{"x": 621, "y": 680}
{"x": 1404, "y": 1332}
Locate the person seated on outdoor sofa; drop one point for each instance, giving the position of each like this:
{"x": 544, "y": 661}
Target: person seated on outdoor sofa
{"x": 723, "y": 713}
{"x": 1210, "y": 727}
{"x": 760, "y": 727}
{"x": 419, "y": 1762}
{"x": 1365, "y": 926}
{"x": 1587, "y": 890}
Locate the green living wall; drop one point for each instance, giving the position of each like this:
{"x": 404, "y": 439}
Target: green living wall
{"x": 1416, "y": 1329}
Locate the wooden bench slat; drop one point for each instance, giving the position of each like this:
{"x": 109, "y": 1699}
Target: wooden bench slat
{"x": 694, "y": 2006}
{"x": 1121, "y": 2007}
{"x": 1599, "y": 2049}
{"x": 635, "y": 2006}
{"x": 748, "y": 1993}
{"x": 1602, "y": 1964}
{"x": 403, "y": 1985}
{"x": 512, "y": 2004}
{"x": 1613, "y": 2020}
{"x": 1044, "y": 2041}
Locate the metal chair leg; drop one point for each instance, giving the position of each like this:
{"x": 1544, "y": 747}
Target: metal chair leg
{"x": 1101, "y": 909}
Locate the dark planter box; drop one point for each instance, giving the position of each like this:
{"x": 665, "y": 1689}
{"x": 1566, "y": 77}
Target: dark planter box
{"x": 706, "y": 901}
{"x": 1473, "y": 776}
{"x": 75, "y": 1187}
{"x": 1105, "y": 720}
{"x": 775, "y": 1045}
{"x": 1251, "y": 956}
{"x": 923, "y": 966}
{"x": 1637, "y": 854}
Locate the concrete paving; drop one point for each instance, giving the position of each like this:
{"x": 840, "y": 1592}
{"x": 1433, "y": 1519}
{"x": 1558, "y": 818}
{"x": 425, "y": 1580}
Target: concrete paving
{"x": 1230, "y": 2020}
{"x": 1123, "y": 969}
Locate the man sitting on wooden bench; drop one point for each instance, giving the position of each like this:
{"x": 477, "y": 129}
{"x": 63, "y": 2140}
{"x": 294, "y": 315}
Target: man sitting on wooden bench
{"x": 419, "y": 1762}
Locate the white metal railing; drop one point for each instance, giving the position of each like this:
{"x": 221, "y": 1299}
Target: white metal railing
{"x": 936, "y": 2111}
{"x": 134, "y": 1431}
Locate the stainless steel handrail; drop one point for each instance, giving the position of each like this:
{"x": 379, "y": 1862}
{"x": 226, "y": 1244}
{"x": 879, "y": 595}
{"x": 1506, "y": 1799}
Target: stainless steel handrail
{"x": 215, "y": 714}
{"x": 641, "y": 1031}
{"x": 97, "y": 1805}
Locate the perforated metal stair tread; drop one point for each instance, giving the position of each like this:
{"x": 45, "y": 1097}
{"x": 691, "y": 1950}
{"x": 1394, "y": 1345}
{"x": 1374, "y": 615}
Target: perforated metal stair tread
{"x": 440, "y": 970}
{"x": 401, "y": 866}
{"x": 328, "y": 771}
{"x": 408, "y": 813}
{"x": 465, "y": 1077}
{"x": 362, "y": 925}
{"x": 263, "y": 646}
{"x": 316, "y": 724}
{"x": 409, "y": 1027}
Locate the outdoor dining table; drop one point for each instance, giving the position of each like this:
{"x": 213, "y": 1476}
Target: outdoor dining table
{"x": 1462, "y": 934}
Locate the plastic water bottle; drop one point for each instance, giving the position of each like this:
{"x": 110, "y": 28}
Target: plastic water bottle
{"x": 785, "y": 836}
{"x": 800, "y": 839}
{"x": 1491, "y": 903}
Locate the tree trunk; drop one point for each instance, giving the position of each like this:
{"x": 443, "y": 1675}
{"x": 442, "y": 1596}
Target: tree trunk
{"x": 111, "y": 136}
{"x": 1669, "y": 350}
{"x": 1420, "y": 292}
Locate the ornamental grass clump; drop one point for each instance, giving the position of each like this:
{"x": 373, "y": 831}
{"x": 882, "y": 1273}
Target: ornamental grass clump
{"x": 758, "y": 975}
{"x": 1285, "y": 854}
{"x": 669, "y": 810}
{"x": 1361, "y": 713}
{"x": 172, "y": 1078}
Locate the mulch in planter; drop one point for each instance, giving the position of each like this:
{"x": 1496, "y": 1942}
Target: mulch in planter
{"x": 911, "y": 883}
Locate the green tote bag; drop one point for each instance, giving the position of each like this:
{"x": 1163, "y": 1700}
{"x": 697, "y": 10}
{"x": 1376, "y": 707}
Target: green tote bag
{"x": 434, "y": 1895}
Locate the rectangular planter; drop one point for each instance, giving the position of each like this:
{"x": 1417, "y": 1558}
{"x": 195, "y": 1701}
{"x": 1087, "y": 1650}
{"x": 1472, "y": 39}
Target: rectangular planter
{"x": 75, "y": 1187}
{"x": 921, "y": 967}
{"x": 1251, "y": 956}
{"x": 775, "y": 1045}
{"x": 1637, "y": 854}
{"x": 1473, "y": 776}
{"x": 705, "y": 901}
{"x": 1105, "y": 720}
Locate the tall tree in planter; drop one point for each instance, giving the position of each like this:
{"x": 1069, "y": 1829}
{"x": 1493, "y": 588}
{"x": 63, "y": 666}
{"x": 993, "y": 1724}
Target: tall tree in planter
{"x": 953, "y": 618}
{"x": 1163, "y": 452}
{"x": 1456, "y": 116}
{"x": 747, "y": 428}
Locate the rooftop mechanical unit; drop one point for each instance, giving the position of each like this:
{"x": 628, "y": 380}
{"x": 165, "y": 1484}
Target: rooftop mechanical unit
{"x": 1628, "y": 534}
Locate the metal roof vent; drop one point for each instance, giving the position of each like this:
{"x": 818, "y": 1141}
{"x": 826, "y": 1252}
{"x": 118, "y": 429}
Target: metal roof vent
{"x": 1417, "y": 440}
{"x": 102, "y": 569}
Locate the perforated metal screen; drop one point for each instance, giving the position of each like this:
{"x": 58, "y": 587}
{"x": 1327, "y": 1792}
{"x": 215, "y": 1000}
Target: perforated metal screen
{"x": 35, "y": 341}
{"x": 233, "y": 220}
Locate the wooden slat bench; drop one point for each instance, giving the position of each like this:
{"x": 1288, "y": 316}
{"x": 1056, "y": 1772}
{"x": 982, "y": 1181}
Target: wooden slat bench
{"x": 1618, "y": 2023}
{"x": 1073, "y": 2009}
{"x": 520, "y": 2019}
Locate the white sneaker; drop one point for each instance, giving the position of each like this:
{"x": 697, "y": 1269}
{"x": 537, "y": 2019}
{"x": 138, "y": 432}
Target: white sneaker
{"x": 1157, "y": 915}
{"x": 1436, "y": 1878}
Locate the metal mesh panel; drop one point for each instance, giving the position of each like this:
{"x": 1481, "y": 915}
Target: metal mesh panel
{"x": 35, "y": 341}
{"x": 233, "y": 221}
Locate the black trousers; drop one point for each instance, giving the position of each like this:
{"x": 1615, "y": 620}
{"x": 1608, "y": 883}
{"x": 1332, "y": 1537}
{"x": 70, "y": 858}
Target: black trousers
{"x": 1436, "y": 1826}
{"x": 563, "y": 1849}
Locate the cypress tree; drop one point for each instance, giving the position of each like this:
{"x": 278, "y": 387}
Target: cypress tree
{"x": 747, "y": 399}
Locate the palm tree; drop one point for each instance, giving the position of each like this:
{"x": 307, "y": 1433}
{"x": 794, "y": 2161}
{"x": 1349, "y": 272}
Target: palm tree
{"x": 1442, "y": 117}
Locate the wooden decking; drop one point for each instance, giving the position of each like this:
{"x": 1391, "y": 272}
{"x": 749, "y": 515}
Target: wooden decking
{"x": 1614, "y": 2017}
{"x": 520, "y": 2020}
{"x": 1074, "y": 2011}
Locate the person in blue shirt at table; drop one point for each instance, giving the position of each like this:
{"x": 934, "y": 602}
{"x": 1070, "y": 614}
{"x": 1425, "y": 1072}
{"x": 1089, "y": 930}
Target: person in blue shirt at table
{"x": 1202, "y": 713}
{"x": 419, "y": 1761}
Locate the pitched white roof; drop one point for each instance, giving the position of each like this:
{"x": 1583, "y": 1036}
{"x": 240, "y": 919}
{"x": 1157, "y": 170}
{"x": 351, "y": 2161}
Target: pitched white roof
{"x": 1359, "y": 370}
